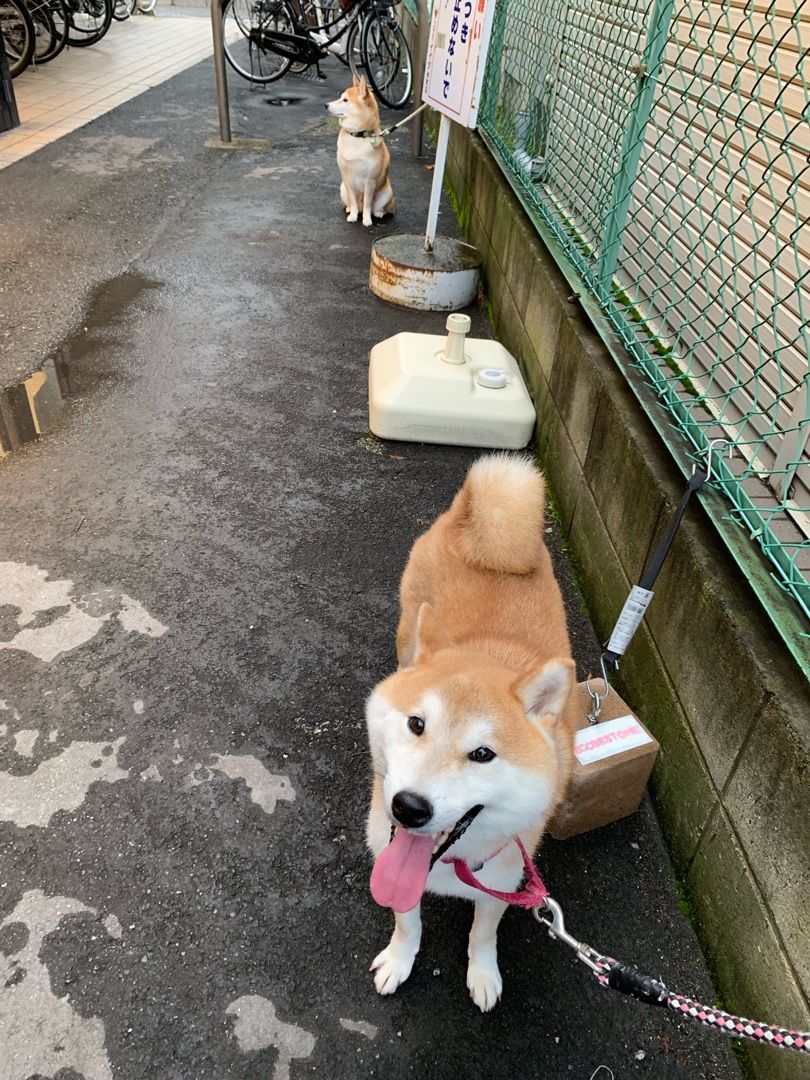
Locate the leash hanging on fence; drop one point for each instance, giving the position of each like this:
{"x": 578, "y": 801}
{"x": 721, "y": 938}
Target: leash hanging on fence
{"x": 615, "y": 975}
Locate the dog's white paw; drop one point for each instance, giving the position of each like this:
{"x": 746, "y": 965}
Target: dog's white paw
{"x": 485, "y": 986}
{"x": 367, "y": 221}
{"x": 392, "y": 967}
{"x": 352, "y": 216}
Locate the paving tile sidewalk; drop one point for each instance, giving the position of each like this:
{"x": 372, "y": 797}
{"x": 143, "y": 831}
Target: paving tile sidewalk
{"x": 205, "y": 554}
{"x": 84, "y": 83}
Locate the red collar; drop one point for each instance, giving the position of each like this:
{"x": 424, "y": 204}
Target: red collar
{"x": 533, "y": 893}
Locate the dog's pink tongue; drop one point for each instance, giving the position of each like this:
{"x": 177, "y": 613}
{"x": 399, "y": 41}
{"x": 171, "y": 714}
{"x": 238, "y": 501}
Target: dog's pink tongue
{"x": 400, "y": 872}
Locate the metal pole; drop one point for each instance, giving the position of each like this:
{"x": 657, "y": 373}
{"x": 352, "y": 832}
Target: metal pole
{"x": 438, "y": 179}
{"x": 218, "y": 32}
{"x": 420, "y": 52}
{"x": 646, "y": 75}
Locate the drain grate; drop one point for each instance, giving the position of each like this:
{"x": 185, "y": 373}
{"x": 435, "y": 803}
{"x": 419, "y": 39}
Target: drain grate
{"x": 281, "y": 102}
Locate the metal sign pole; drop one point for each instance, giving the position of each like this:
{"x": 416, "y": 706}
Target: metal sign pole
{"x": 219, "y": 71}
{"x": 438, "y": 181}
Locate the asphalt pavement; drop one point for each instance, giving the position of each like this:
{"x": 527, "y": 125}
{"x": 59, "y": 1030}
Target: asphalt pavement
{"x": 198, "y": 574}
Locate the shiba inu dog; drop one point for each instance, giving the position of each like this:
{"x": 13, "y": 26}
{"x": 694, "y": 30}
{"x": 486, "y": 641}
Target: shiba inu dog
{"x": 362, "y": 156}
{"x": 477, "y": 723}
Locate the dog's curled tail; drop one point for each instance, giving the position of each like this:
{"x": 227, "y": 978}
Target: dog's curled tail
{"x": 498, "y": 516}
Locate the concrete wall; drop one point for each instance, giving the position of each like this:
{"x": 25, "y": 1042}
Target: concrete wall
{"x": 706, "y": 671}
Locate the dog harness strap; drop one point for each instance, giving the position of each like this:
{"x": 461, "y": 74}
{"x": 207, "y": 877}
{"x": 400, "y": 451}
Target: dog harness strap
{"x": 533, "y": 893}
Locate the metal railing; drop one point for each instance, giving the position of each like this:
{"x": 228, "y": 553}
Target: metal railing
{"x": 665, "y": 147}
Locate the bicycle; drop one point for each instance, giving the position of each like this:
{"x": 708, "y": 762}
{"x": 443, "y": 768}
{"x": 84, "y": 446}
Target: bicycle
{"x": 274, "y": 36}
{"x": 51, "y": 25}
{"x": 88, "y": 21}
{"x": 19, "y": 35}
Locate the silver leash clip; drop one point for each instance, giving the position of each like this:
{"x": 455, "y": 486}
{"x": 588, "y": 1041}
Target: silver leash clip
{"x": 550, "y": 915}
{"x": 596, "y": 697}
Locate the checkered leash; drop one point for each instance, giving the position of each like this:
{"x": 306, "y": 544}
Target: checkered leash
{"x": 626, "y": 979}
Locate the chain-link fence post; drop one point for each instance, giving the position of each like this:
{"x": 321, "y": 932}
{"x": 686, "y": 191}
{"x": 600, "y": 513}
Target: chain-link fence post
{"x": 646, "y": 71}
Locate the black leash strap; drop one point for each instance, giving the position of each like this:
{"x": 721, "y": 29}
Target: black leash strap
{"x": 640, "y": 596}
{"x": 459, "y": 829}
{"x": 629, "y": 980}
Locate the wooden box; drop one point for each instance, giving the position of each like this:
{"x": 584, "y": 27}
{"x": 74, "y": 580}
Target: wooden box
{"x": 612, "y": 786}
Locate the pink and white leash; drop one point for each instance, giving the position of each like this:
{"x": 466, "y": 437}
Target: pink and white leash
{"x": 622, "y": 977}
{"x": 628, "y": 980}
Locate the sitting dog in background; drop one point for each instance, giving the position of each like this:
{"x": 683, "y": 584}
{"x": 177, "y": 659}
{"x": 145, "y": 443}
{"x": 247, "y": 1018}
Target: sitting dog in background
{"x": 362, "y": 156}
{"x": 477, "y": 722}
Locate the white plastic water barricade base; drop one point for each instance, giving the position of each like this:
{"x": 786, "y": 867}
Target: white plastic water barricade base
{"x": 444, "y": 279}
{"x": 454, "y": 390}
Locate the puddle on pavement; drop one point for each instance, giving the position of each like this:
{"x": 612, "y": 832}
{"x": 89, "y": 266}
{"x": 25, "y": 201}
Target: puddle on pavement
{"x": 31, "y": 408}
{"x": 281, "y": 102}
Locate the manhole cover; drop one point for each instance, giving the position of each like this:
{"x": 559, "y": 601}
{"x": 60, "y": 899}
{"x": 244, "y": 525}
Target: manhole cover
{"x": 282, "y": 101}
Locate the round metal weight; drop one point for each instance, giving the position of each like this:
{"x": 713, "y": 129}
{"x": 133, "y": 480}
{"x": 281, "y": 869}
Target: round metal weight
{"x": 445, "y": 279}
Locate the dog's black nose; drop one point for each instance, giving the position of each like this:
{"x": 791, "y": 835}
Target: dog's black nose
{"x": 411, "y": 810}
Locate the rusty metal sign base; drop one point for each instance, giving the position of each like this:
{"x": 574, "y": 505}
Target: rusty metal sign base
{"x": 444, "y": 279}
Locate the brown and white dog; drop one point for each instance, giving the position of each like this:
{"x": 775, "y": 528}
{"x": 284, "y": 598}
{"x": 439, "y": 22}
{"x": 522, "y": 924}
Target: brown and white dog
{"x": 362, "y": 156}
{"x": 479, "y": 714}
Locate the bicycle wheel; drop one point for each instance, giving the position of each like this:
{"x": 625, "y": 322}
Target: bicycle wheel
{"x": 244, "y": 51}
{"x": 59, "y": 15}
{"x": 88, "y": 21}
{"x": 18, "y": 35}
{"x": 44, "y": 30}
{"x": 147, "y": 6}
{"x": 122, "y": 10}
{"x": 354, "y": 54}
{"x": 386, "y": 58}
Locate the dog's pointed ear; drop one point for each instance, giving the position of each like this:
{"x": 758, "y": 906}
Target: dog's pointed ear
{"x": 362, "y": 86}
{"x": 355, "y": 79}
{"x": 544, "y": 691}
{"x": 430, "y": 635}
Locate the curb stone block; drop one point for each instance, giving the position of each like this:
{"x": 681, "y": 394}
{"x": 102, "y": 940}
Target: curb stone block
{"x": 769, "y": 796}
{"x": 510, "y": 327}
{"x": 752, "y": 966}
{"x": 576, "y": 387}
{"x": 605, "y": 583}
{"x": 519, "y": 264}
{"x": 685, "y": 797}
{"x": 486, "y": 190}
{"x": 689, "y": 619}
{"x": 503, "y": 218}
{"x": 616, "y": 473}
{"x": 558, "y": 465}
{"x": 543, "y": 319}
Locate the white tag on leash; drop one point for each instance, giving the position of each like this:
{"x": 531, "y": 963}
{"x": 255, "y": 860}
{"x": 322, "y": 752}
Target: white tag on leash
{"x": 606, "y": 739}
{"x": 626, "y": 625}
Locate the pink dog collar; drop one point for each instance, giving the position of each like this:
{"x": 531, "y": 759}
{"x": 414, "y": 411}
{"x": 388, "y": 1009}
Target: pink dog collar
{"x": 533, "y": 893}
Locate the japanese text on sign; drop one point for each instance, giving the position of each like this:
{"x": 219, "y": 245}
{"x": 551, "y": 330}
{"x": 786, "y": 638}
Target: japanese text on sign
{"x": 456, "y": 56}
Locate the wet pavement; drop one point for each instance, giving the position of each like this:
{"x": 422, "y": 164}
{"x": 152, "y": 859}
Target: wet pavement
{"x": 198, "y": 573}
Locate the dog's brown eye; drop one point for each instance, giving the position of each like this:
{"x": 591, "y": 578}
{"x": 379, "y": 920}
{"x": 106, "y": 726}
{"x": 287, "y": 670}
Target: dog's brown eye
{"x": 416, "y": 724}
{"x": 482, "y": 754}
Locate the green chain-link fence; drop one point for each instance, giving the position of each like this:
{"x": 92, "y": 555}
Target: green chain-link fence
{"x": 667, "y": 148}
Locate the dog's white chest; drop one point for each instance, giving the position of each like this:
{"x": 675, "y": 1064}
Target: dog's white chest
{"x": 359, "y": 152}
